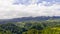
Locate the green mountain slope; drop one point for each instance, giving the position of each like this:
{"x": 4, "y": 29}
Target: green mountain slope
{"x": 31, "y": 27}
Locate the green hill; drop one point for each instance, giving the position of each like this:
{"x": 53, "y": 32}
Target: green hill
{"x": 31, "y": 27}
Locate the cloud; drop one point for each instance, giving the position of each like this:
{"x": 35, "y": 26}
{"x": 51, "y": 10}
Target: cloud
{"x": 10, "y": 10}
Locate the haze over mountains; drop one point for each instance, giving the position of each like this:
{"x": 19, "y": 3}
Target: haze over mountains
{"x": 29, "y": 16}
{"x": 20, "y": 10}
{"x": 39, "y": 18}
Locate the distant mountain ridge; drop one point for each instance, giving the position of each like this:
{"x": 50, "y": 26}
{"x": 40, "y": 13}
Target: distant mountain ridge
{"x": 39, "y": 18}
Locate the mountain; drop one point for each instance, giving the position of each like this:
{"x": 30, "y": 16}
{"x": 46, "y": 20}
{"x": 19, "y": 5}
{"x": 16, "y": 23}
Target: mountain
{"x": 39, "y": 18}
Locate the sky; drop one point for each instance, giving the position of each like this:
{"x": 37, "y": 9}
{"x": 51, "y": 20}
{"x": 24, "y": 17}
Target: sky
{"x": 25, "y": 8}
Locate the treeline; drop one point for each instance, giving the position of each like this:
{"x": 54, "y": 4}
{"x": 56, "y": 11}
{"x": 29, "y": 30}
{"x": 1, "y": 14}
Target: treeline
{"x": 31, "y": 27}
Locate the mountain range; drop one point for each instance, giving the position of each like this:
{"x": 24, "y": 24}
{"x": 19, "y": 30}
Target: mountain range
{"x": 39, "y": 18}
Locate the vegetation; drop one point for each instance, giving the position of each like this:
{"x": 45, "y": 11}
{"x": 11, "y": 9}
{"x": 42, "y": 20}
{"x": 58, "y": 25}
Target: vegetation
{"x": 31, "y": 27}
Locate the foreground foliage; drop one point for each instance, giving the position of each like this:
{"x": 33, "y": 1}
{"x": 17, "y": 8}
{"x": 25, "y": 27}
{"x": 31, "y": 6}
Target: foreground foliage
{"x": 31, "y": 27}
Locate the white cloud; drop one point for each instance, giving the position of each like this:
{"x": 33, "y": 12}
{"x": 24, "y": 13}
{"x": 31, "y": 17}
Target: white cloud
{"x": 8, "y": 10}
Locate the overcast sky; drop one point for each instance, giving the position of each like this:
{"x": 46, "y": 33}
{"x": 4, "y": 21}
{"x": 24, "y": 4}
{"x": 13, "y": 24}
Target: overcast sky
{"x": 25, "y": 8}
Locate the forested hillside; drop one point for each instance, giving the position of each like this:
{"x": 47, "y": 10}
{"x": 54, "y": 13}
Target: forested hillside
{"x": 31, "y": 27}
{"x": 23, "y": 19}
